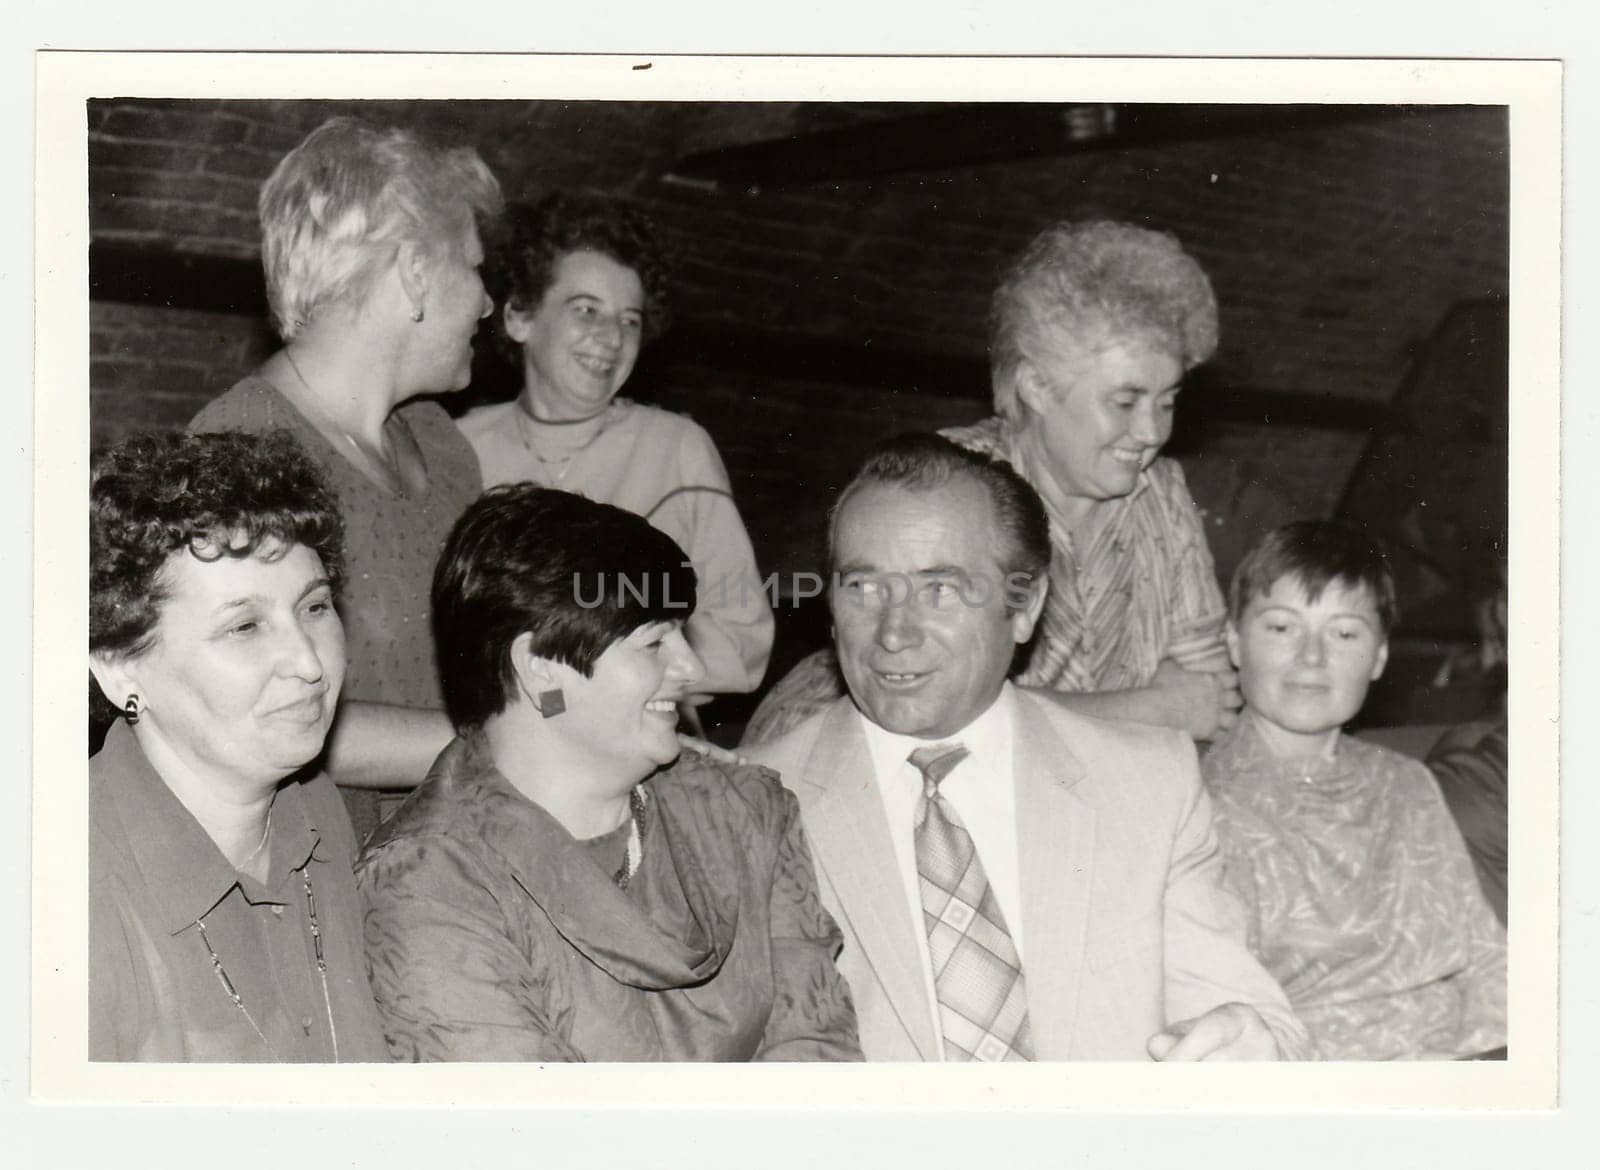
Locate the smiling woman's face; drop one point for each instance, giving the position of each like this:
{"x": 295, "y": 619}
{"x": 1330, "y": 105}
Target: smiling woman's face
{"x": 1102, "y": 418}
{"x": 580, "y": 343}
{"x": 241, "y": 679}
{"x": 626, "y": 712}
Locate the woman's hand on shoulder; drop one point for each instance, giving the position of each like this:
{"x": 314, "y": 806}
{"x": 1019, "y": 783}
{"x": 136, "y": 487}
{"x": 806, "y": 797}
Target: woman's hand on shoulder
{"x": 706, "y": 748}
{"x": 1203, "y": 703}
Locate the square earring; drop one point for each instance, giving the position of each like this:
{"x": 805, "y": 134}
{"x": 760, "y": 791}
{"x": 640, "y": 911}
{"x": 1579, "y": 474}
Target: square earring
{"x": 552, "y": 703}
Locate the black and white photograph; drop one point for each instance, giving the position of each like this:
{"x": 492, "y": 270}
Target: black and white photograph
{"x": 885, "y": 563}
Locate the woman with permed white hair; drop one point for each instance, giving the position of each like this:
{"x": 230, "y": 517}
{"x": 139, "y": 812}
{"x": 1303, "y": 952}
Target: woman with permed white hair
{"x": 371, "y": 245}
{"x": 1091, "y": 333}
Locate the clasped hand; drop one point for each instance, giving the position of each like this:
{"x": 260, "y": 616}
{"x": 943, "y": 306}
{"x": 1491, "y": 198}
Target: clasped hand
{"x": 1230, "y": 1031}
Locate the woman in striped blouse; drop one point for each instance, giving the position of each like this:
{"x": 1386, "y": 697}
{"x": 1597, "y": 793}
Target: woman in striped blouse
{"x": 1092, "y": 331}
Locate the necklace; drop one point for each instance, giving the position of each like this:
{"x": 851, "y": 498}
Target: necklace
{"x": 384, "y": 460}
{"x": 558, "y": 465}
{"x": 635, "y": 854}
{"x": 560, "y": 422}
{"x": 322, "y": 973}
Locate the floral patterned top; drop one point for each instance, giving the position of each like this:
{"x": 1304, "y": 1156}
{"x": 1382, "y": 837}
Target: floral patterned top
{"x": 1361, "y": 899}
{"x": 492, "y": 934}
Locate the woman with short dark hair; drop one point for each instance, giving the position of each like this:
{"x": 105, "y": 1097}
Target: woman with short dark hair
{"x": 222, "y": 914}
{"x": 582, "y": 286}
{"x": 565, "y": 885}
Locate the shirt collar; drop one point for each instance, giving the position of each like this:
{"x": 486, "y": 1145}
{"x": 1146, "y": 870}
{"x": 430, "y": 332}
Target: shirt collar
{"x": 186, "y": 873}
{"x": 1243, "y": 751}
{"x": 984, "y": 737}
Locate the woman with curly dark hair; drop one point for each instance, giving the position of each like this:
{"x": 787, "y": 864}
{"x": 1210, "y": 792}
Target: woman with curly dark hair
{"x": 222, "y": 911}
{"x": 581, "y": 286}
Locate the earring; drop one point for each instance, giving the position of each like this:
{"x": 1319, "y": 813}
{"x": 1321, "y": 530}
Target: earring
{"x": 552, "y": 703}
{"x": 416, "y": 314}
{"x": 130, "y": 709}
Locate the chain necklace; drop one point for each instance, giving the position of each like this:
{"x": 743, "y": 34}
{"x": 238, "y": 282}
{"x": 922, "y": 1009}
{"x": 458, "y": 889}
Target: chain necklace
{"x": 635, "y": 853}
{"x": 322, "y": 974}
{"x": 558, "y": 465}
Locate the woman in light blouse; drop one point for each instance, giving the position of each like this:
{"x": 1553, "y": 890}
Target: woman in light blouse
{"x": 582, "y": 286}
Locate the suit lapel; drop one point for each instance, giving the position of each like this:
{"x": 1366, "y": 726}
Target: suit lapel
{"x": 1055, "y": 851}
{"x": 850, "y": 835}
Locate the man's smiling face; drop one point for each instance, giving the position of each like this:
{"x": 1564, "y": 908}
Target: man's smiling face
{"x": 920, "y": 621}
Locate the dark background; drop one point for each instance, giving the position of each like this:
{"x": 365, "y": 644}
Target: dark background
{"x": 833, "y": 264}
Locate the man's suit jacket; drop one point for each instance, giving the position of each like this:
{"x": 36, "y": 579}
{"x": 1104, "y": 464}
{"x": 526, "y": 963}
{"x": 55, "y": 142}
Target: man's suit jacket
{"x": 1125, "y": 922}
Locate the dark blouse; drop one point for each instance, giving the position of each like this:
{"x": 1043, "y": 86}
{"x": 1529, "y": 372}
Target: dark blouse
{"x": 154, "y": 874}
{"x": 492, "y": 935}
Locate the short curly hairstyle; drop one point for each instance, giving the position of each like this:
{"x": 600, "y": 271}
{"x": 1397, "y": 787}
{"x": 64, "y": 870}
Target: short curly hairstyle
{"x": 1078, "y": 287}
{"x": 532, "y": 238}
{"x": 336, "y": 206}
{"x": 153, "y": 496}
{"x": 574, "y": 574}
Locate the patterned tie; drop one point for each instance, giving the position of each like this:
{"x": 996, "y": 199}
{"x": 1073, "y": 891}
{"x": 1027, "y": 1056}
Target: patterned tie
{"x": 977, "y": 975}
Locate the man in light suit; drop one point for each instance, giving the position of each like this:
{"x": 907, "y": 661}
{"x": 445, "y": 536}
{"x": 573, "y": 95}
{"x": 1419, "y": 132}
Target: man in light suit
{"x": 1013, "y": 880}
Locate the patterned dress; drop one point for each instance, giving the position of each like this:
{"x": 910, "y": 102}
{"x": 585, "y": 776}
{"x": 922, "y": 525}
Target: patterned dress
{"x": 1361, "y": 899}
{"x": 492, "y": 935}
{"x": 1143, "y": 590}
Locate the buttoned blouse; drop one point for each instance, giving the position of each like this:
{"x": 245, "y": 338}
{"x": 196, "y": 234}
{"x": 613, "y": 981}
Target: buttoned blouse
{"x": 154, "y": 874}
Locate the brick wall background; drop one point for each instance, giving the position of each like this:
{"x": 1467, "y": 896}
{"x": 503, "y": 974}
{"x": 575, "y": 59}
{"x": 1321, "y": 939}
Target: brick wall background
{"x": 1336, "y": 254}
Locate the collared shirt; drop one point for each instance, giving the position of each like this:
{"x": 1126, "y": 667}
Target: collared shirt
{"x": 154, "y": 873}
{"x": 981, "y": 789}
{"x": 1142, "y": 589}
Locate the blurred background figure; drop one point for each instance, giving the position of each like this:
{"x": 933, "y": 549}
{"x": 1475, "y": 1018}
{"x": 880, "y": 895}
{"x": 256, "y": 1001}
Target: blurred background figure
{"x": 370, "y": 241}
{"x": 223, "y": 923}
{"x": 1471, "y": 762}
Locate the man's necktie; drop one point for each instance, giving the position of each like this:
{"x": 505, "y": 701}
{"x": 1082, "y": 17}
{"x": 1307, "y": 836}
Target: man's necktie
{"x": 983, "y": 1004}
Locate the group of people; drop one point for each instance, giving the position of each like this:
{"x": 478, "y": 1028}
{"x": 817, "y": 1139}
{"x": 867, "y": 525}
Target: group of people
{"x": 975, "y": 827}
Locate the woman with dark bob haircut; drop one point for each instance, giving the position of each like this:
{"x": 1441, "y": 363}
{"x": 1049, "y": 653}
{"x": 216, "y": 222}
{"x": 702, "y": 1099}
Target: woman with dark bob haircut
{"x": 565, "y": 886}
{"x": 581, "y": 286}
{"x": 223, "y": 920}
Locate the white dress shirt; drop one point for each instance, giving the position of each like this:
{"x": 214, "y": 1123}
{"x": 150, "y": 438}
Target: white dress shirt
{"x": 981, "y": 789}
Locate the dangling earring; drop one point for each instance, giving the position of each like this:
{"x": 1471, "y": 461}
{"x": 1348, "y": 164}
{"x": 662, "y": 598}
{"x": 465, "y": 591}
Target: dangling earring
{"x": 552, "y": 703}
{"x": 416, "y": 314}
{"x": 130, "y": 709}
